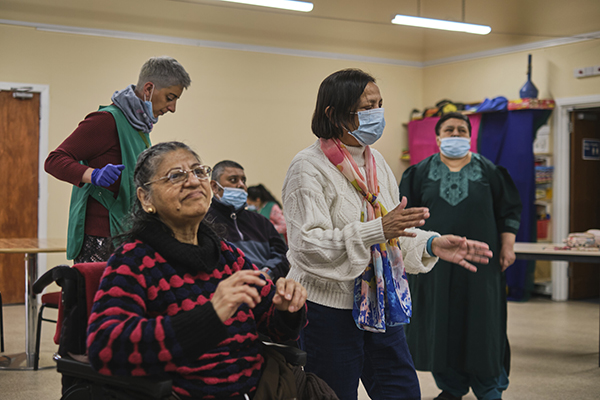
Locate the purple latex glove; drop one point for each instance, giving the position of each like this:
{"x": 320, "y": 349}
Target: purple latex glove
{"x": 106, "y": 176}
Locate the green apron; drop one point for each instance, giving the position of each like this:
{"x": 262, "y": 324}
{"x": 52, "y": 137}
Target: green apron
{"x": 266, "y": 210}
{"x": 132, "y": 143}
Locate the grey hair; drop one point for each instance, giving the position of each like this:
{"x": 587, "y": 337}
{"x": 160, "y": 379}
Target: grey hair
{"x": 145, "y": 169}
{"x": 149, "y": 160}
{"x": 164, "y": 72}
{"x": 219, "y": 168}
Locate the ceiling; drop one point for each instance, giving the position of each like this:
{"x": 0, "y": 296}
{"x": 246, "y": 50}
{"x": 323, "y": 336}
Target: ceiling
{"x": 350, "y": 27}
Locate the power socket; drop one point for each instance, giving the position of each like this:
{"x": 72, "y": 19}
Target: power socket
{"x": 579, "y": 72}
{"x": 586, "y": 71}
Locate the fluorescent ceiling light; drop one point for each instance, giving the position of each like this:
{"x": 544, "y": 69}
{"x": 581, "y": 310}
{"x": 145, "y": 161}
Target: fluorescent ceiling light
{"x": 441, "y": 24}
{"x": 284, "y": 4}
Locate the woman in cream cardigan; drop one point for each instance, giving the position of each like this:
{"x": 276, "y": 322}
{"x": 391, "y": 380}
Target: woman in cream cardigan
{"x": 350, "y": 253}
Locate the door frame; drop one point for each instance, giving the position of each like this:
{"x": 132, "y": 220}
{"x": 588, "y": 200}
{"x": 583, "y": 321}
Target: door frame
{"x": 562, "y": 181}
{"x": 44, "y": 91}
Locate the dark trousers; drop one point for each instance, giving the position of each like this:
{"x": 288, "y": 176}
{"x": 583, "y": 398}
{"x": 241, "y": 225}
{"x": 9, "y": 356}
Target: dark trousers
{"x": 458, "y": 384}
{"x": 94, "y": 249}
{"x": 341, "y": 354}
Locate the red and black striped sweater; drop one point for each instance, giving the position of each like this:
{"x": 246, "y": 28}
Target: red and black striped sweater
{"x": 152, "y": 314}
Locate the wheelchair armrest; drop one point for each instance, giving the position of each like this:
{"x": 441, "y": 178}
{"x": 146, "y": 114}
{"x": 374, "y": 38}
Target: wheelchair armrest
{"x": 46, "y": 279}
{"x": 292, "y": 355}
{"x": 153, "y": 387}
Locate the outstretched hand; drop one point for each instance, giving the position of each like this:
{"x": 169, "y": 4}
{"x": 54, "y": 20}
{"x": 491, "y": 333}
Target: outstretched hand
{"x": 236, "y": 290}
{"x": 289, "y": 296}
{"x": 400, "y": 218}
{"x": 458, "y": 250}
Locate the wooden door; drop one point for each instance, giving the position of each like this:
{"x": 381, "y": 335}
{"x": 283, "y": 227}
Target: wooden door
{"x": 19, "y": 152}
{"x": 584, "y": 214}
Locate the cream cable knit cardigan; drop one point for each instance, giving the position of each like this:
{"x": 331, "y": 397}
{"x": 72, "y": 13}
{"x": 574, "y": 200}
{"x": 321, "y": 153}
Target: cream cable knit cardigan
{"x": 328, "y": 245}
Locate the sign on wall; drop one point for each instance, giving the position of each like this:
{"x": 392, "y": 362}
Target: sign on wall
{"x": 591, "y": 149}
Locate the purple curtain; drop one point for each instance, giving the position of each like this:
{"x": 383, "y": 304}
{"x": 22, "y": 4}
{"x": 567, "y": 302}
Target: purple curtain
{"x": 506, "y": 138}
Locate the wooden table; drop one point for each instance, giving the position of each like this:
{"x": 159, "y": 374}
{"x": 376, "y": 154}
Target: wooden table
{"x": 549, "y": 252}
{"x": 31, "y": 248}
{"x": 554, "y": 252}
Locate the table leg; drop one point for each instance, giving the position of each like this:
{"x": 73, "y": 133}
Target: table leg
{"x": 26, "y": 360}
{"x": 31, "y": 307}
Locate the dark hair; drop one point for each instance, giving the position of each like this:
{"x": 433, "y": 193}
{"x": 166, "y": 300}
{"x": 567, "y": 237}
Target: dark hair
{"x": 219, "y": 167}
{"x": 145, "y": 168}
{"x": 340, "y": 92}
{"x": 261, "y": 192}
{"x": 452, "y": 115}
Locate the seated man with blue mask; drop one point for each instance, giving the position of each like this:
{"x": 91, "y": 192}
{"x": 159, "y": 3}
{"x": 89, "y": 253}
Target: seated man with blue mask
{"x": 249, "y": 231}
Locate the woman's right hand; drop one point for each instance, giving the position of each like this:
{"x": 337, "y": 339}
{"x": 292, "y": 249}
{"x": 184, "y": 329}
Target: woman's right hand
{"x": 235, "y": 291}
{"x": 400, "y": 218}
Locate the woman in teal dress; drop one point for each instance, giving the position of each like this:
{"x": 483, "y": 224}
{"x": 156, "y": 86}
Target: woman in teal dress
{"x": 458, "y": 329}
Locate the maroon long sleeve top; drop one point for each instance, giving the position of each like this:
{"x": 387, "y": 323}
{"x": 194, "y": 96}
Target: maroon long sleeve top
{"x": 96, "y": 141}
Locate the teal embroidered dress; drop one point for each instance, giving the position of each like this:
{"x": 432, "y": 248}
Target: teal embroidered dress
{"x": 459, "y": 317}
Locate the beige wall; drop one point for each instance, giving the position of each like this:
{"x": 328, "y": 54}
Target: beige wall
{"x": 474, "y": 80}
{"x": 251, "y": 107}
{"x": 256, "y": 108}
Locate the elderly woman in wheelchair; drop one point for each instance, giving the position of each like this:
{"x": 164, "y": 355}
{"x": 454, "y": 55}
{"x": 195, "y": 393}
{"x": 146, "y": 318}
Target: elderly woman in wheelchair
{"x": 176, "y": 298}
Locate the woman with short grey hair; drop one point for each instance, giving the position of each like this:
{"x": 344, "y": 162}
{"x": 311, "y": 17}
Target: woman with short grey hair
{"x": 99, "y": 156}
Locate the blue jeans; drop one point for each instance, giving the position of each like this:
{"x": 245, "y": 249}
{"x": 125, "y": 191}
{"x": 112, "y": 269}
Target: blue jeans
{"x": 458, "y": 383}
{"x": 341, "y": 354}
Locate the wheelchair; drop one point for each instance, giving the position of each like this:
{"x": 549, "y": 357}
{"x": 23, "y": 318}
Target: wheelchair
{"x": 79, "y": 380}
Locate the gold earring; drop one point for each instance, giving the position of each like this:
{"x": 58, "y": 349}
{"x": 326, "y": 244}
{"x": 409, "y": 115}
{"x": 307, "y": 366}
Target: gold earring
{"x": 150, "y": 210}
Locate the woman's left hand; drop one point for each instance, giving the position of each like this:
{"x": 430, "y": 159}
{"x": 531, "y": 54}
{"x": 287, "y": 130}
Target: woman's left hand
{"x": 458, "y": 250}
{"x": 507, "y": 251}
{"x": 289, "y": 296}
{"x": 507, "y": 256}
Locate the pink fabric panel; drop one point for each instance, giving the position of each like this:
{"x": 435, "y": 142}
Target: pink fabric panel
{"x": 421, "y": 137}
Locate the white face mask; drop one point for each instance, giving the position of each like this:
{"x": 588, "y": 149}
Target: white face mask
{"x": 455, "y": 147}
{"x": 370, "y": 128}
{"x": 148, "y": 106}
{"x": 234, "y": 197}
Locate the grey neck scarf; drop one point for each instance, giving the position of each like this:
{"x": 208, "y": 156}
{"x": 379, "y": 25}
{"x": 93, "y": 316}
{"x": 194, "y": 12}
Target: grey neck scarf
{"x": 134, "y": 109}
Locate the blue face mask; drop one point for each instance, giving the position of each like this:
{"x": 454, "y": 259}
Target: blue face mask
{"x": 370, "y": 128}
{"x": 148, "y": 107}
{"x": 234, "y": 197}
{"x": 455, "y": 147}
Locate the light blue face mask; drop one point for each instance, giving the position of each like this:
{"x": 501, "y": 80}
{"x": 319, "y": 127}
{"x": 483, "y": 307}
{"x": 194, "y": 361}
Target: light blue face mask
{"x": 148, "y": 107}
{"x": 455, "y": 147}
{"x": 234, "y": 197}
{"x": 371, "y": 123}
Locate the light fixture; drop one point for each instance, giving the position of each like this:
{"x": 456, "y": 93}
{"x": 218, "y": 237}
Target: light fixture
{"x": 284, "y": 4}
{"x": 441, "y": 24}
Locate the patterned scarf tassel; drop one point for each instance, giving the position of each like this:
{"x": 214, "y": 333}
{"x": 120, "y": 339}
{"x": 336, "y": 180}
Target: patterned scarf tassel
{"x": 382, "y": 297}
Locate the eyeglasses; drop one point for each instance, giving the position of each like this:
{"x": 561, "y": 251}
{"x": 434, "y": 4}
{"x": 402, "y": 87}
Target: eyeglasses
{"x": 179, "y": 175}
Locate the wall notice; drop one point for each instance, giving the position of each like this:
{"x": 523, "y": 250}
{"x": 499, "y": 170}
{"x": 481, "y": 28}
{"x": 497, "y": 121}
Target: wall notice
{"x": 591, "y": 149}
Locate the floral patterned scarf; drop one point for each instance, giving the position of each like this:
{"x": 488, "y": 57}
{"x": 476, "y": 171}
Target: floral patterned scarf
{"x": 381, "y": 294}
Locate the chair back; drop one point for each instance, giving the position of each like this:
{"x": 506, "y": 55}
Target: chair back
{"x": 91, "y": 274}
{"x": 79, "y": 286}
